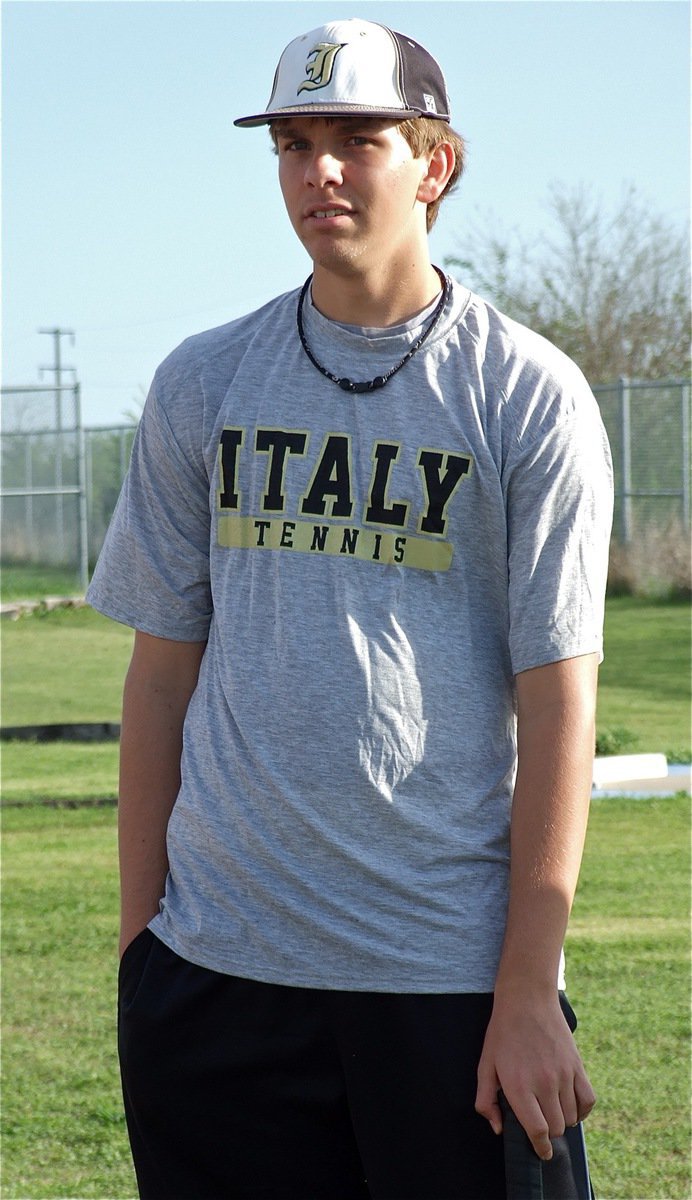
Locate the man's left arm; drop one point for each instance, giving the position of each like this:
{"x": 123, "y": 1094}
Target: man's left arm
{"x": 529, "y": 1051}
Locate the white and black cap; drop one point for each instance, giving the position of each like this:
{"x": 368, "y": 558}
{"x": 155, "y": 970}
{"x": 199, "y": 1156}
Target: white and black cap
{"x": 352, "y": 68}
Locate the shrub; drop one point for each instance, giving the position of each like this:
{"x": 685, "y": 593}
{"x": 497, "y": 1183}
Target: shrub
{"x": 614, "y": 741}
{"x": 655, "y": 564}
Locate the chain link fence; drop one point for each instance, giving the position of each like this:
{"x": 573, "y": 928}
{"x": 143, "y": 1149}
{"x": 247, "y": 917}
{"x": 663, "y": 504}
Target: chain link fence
{"x": 60, "y": 481}
{"x": 107, "y": 455}
{"x": 44, "y": 499}
{"x": 649, "y": 430}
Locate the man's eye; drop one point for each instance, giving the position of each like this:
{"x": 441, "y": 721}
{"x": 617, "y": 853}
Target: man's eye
{"x": 358, "y": 139}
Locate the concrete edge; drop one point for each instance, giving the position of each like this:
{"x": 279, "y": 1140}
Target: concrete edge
{"x": 623, "y": 768}
{"x": 14, "y": 609}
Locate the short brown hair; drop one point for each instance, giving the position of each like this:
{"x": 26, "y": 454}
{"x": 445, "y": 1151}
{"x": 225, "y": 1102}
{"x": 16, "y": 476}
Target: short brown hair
{"x": 423, "y": 134}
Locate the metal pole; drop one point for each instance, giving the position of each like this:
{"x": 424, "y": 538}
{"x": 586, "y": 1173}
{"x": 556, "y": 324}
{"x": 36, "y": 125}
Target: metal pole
{"x": 58, "y": 369}
{"x": 29, "y": 501}
{"x": 81, "y": 479}
{"x": 59, "y": 502}
{"x": 58, "y": 383}
{"x": 89, "y": 460}
{"x": 626, "y": 443}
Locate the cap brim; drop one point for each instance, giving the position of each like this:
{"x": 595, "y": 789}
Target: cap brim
{"x": 336, "y": 110}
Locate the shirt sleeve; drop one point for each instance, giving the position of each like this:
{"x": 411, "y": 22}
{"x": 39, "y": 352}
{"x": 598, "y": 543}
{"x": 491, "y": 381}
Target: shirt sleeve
{"x": 559, "y": 497}
{"x": 153, "y": 571}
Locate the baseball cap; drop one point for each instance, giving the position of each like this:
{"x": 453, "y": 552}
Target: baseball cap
{"x": 352, "y": 68}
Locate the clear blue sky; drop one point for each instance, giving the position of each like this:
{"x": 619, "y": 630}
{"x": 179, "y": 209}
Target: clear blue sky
{"x": 135, "y": 213}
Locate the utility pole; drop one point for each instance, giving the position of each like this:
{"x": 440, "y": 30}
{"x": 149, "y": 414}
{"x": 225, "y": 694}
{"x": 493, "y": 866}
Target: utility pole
{"x": 57, "y": 368}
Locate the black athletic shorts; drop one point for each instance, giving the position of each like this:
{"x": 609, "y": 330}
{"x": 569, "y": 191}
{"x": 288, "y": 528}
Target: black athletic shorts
{"x": 238, "y": 1089}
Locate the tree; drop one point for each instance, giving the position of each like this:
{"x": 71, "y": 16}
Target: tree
{"x": 610, "y": 289}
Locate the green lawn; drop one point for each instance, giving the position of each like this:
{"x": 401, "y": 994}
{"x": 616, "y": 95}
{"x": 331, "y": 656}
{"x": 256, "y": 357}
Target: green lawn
{"x": 628, "y": 975}
{"x": 644, "y": 683}
{"x": 628, "y": 978}
{"x": 628, "y": 950}
{"x": 36, "y": 773}
{"x": 63, "y": 1126}
{"x": 69, "y": 665}
{"x": 27, "y": 582}
{"x": 66, "y": 665}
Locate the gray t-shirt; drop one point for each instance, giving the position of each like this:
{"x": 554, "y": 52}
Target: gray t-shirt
{"x": 371, "y": 571}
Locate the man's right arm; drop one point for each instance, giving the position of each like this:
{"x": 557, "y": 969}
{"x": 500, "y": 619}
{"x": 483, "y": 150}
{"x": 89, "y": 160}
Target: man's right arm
{"x": 160, "y": 681}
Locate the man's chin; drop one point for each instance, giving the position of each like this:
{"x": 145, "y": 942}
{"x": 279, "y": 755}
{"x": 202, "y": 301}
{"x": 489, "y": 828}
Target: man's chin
{"x": 338, "y": 258}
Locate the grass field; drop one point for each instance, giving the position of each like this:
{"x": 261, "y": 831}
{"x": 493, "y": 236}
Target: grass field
{"x": 85, "y": 657}
{"x": 628, "y": 977}
{"x": 628, "y": 970}
{"x": 35, "y": 582}
{"x": 64, "y": 1132}
{"x": 644, "y": 681}
{"x": 64, "y": 665}
{"x": 628, "y": 950}
{"x": 69, "y": 665}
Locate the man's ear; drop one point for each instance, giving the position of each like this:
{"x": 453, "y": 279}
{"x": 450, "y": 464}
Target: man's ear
{"x": 440, "y": 167}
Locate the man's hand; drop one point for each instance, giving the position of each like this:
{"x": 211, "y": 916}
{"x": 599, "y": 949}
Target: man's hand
{"x": 529, "y": 1053}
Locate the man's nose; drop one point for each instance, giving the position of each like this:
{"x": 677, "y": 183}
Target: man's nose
{"x": 324, "y": 170}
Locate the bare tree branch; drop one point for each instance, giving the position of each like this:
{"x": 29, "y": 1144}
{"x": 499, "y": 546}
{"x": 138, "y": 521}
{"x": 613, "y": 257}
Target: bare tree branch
{"x": 611, "y": 289}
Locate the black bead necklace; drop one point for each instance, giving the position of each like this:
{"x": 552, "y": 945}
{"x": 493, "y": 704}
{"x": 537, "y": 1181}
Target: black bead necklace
{"x": 370, "y": 385}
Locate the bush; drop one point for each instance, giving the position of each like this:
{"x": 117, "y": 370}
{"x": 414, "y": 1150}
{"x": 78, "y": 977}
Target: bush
{"x": 614, "y": 741}
{"x": 654, "y": 565}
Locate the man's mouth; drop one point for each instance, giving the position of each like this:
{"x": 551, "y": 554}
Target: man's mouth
{"x": 328, "y": 213}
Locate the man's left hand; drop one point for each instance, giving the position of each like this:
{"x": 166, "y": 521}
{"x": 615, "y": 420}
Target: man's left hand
{"x": 530, "y": 1054}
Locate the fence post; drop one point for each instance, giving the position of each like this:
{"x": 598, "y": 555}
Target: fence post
{"x": 89, "y": 476}
{"x": 685, "y": 402}
{"x": 59, "y": 497}
{"x": 82, "y": 495}
{"x": 626, "y": 444}
{"x": 28, "y": 499}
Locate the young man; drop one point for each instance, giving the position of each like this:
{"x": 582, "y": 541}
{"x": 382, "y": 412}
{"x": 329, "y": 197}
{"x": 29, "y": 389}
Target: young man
{"x": 363, "y": 544}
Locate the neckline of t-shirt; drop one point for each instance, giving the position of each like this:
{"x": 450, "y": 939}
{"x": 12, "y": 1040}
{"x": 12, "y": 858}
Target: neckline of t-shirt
{"x": 375, "y": 337}
{"x": 412, "y": 324}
